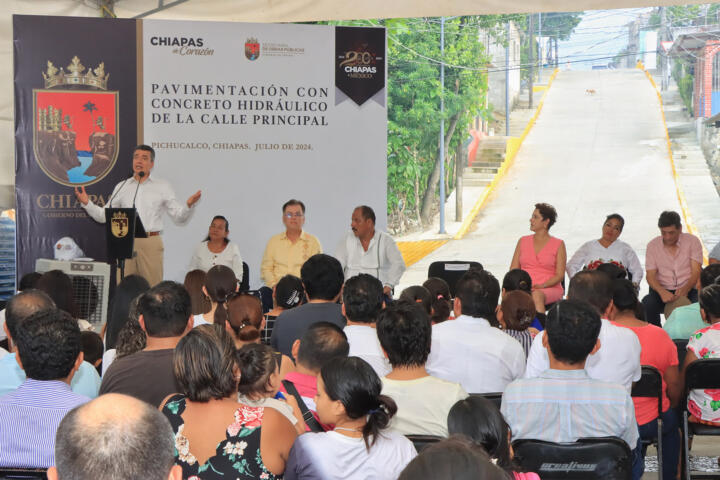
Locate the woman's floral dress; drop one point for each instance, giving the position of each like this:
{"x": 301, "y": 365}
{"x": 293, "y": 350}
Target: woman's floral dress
{"x": 705, "y": 404}
{"x": 236, "y": 457}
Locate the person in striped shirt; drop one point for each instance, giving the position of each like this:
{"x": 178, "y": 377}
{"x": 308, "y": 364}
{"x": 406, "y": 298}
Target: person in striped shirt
{"x": 49, "y": 351}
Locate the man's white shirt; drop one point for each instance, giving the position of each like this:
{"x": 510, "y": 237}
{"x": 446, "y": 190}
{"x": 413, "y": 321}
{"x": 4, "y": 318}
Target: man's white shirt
{"x": 382, "y": 259}
{"x": 364, "y": 343}
{"x": 617, "y": 360}
{"x": 471, "y": 352}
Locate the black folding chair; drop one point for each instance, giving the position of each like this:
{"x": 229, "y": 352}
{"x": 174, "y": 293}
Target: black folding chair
{"x": 245, "y": 284}
{"x": 681, "y": 346}
{"x": 451, "y": 271}
{"x": 650, "y": 385}
{"x": 701, "y": 374}
{"x": 606, "y": 458}
{"x": 23, "y": 473}
{"x": 422, "y": 441}
{"x": 494, "y": 397}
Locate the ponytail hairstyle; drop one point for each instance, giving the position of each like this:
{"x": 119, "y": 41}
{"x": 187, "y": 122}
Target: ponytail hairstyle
{"x": 710, "y": 302}
{"x": 625, "y": 298}
{"x": 517, "y": 279}
{"x": 257, "y": 364}
{"x": 441, "y": 300}
{"x": 419, "y": 295}
{"x": 518, "y": 309}
{"x": 354, "y": 383}
{"x": 289, "y": 292}
{"x": 245, "y": 316}
{"x": 220, "y": 283}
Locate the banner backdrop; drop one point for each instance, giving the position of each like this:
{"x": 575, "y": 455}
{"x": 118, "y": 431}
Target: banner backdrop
{"x": 251, "y": 114}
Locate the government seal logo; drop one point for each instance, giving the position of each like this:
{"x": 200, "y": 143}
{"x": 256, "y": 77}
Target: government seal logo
{"x": 119, "y": 224}
{"x": 252, "y": 48}
{"x": 75, "y": 124}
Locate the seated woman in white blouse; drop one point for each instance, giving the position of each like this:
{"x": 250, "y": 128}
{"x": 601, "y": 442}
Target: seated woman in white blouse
{"x": 608, "y": 249}
{"x": 217, "y": 249}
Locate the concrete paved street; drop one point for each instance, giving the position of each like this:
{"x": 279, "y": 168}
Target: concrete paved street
{"x": 589, "y": 155}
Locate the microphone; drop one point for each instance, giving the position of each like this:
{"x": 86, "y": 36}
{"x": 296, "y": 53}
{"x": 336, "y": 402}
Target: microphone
{"x": 118, "y": 191}
{"x": 141, "y": 175}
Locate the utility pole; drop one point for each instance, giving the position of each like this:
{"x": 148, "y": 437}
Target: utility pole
{"x": 661, "y": 50}
{"x": 531, "y": 51}
{"x": 540, "y": 48}
{"x": 507, "y": 80}
{"x": 442, "y": 125}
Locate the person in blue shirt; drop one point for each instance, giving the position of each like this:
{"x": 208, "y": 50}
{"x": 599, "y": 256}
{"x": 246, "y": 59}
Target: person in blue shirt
{"x": 686, "y": 320}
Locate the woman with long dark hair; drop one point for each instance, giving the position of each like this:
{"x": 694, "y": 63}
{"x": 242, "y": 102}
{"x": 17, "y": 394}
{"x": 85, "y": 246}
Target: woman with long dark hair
{"x": 220, "y": 284}
{"x": 360, "y": 446}
{"x": 128, "y": 290}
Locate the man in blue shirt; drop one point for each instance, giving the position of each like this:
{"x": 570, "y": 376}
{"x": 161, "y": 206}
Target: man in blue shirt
{"x": 684, "y": 321}
{"x": 49, "y": 350}
{"x": 21, "y": 306}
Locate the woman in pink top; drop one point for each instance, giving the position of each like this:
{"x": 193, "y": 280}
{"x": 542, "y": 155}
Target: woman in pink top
{"x": 543, "y": 257}
{"x": 659, "y": 351}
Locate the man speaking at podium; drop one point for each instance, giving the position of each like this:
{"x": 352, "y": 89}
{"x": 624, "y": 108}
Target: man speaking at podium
{"x": 151, "y": 197}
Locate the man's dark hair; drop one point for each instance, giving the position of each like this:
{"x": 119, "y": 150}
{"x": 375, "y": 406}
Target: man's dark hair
{"x": 322, "y": 276}
{"x": 366, "y": 212}
{"x": 710, "y": 275}
{"x": 92, "y": 346}
{"x": 165, "y": 309}
{"x": 572, "y": 328}
{"x": 362, "y": 298}
{"x": 291, "y": 202}
{"x": 137, "y": 441}
{"x": 405, "y": 331}
{"x": 29, "y": 280}
{"x": 547, "y": 212}
{"x": 146, "y": 148}
{"x": 48, "y": 343}
{"x": 593, "y": 287}
{"x": 478, "y": 291}
{"x": 322, "y": 342}
{"x": 669, "y": 218}
{"x": 58, "y": 285}
{"x": 24, "y": 304}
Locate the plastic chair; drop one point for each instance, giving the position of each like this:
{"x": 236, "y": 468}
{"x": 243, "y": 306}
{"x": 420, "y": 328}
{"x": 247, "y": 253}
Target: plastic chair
{"x": 701, "y": 374}
{"x": 245, "y": 284}
{"x": 607, "y": 458}
{"x": 650, "y": 385}
{"x": 451, "y": 271}
{"x": 23, "y": 473}
{"x": 494, "y": 397}
{"x": 422, "y": 441}
{"x": 681, "y": 346}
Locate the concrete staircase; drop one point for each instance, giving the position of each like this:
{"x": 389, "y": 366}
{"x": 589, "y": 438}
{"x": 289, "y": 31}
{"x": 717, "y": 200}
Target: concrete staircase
{"x": 490, "y": 155}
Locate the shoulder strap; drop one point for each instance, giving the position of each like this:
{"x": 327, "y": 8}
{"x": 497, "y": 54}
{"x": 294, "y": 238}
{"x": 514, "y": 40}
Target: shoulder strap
{"x": 307, "y": 415}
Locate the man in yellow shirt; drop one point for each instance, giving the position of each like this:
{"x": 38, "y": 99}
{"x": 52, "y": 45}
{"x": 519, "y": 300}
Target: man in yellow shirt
{"x": 286, "y": 252}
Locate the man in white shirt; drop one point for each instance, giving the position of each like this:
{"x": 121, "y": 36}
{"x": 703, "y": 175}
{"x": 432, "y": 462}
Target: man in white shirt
{"x": 366, "y": 250}
{"x": 362, "y": 303}
{"x": 618, "y": 359}
{"x": 151, "y": 197}
{"x": 468, "y": 350}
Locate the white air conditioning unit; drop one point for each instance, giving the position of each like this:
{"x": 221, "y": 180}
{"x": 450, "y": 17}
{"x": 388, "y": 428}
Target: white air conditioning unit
{"x": 91, "y": 284}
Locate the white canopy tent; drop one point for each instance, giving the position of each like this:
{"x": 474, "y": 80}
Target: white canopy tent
{"x": 249, "y": 11}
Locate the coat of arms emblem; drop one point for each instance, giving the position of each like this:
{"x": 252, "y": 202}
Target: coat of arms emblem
{"x": 119, "y": 225}
{"x": 252, "y": 48}
{"x": 75, "y": 124}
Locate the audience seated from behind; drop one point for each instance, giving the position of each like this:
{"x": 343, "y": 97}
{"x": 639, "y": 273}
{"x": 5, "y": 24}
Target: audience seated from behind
{"x": 321, "y": 343}
{"x": 27, "y": 282}
{"x": 130, "y": 339}
{"x": 453, "y": 459}
{"x": 92, "y": 348}
{"x": 705, "y": 343}
{"x": 618, "y": 359}
{"x": 659, "y": 351}
{"x": 423, "y": 401}
{"x": 519, "y": 279}
{"x": 563, "y": 403}
{"x": 322, "y": 277}
{"x": 360, "y": 446}
{"x": 48, "y": 344}
{"x": 684, "y": 321}
{"x": 220, "y": 285}
{"x": 126, "y": 292}
{"x": 59, "y": 286}
{"x": 441, "y": 299}
{"x": 362, "y": 303}
{"x": 468, "y": 350}
{"x": 92, "y": 442}
{"x": 417, "y": 294}
{"x": 194, "y": 283}
{"x": 260, "y": 382}
{"x": 480, "y": 420}
{"x": 215, "y": 436}
{"x": 286, "y": 294}
{"x": 85, "y": 382}
{"x": 516, "y": 314}
{"x": 147, "y": 375}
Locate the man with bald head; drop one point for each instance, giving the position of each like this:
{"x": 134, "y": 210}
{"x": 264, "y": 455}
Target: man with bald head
{"x": 115, "y": 437}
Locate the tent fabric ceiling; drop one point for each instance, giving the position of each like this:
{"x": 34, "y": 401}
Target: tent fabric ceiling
{"x": 252, "y": 11}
